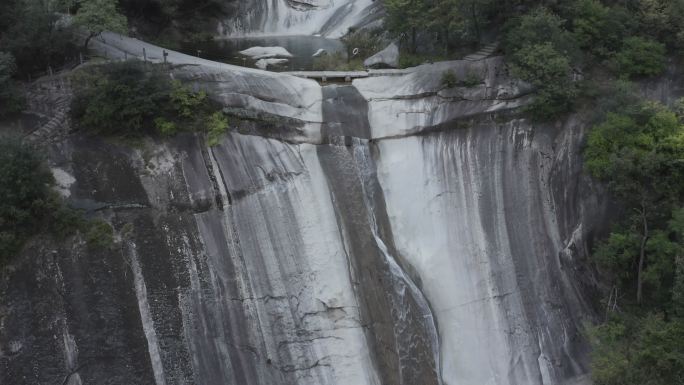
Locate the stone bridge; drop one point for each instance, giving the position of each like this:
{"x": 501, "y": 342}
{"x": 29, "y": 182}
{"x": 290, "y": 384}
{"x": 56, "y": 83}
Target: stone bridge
{"x": 346, "y": 76}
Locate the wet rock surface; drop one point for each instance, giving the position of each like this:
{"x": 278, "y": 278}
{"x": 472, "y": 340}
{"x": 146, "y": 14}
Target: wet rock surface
{"x": 388, "y": 232}
{"x": 299, "y": 17}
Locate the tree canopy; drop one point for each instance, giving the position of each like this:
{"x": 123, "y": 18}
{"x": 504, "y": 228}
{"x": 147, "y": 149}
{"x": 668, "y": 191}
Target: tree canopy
{"x": 31, "y": 31}
{"x": 28, "y": 205}
{"x": 10, "y": 98}
{"x": 639, "y": 153}
{"x": 97, "y": 16}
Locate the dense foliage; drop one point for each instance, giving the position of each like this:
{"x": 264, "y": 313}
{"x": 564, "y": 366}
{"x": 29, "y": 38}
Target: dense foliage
{"x": 134, "y": 99}
{"x": 638, "y": 151}
{"x": 36, "y": 39}
{"x": 28, "y": 205}
{"x": 554, "y": 45}
{"x": 171, "y": 21}
{"x": 11, "y": 100}
{"x": 645, "y": 350}
{"x": 640, "y": 57}
{"x": 449, "y": 22}
{"x": 97, "y": 16}
{"x": 32, "y": 32}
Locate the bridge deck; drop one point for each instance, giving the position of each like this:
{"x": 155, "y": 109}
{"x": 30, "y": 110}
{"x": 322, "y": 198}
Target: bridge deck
{"x": 347, "y": 76}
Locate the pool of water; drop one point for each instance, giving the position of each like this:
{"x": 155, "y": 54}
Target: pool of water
{"x": 301, "y": 47}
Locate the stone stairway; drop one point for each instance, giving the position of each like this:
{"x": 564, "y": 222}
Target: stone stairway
{"x": 484, "y": 53}
{"x": 49, "y": 97}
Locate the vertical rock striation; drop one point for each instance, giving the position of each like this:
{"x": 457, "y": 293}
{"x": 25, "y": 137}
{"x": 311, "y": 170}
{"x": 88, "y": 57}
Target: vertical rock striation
{"x": 476, "y": 213}
{"x": 391, "y": 232}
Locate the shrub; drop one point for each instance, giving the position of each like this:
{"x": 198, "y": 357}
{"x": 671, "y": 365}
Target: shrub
{"x": 165, "y": 127}
{"x": 449, "y": 79}
{"x": 185, "y": 102}
{"x": 28, "y": 205}
{"x": 216, "y": 126}
{"x": 600, "y": 29}
{"x": 132, "y": 99}
{"x": 119, "y": 99}
{"x": 35, "y": 36}
{"x": 24, "y": 190}
{"x": 638, "y": 350}
{"x": 337, "y": 61}
{"x": 472, "y": 80}
{"x": 539, "y": 27}
{"x": 99, "y": 234}
{"x": 367, "y": 43}
{"x": 407, "y": 60}
{"x": 640, "y": 57}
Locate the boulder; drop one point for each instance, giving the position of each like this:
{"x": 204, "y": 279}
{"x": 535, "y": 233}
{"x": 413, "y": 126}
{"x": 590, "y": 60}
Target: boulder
{"x": 266, "y": 52}
{"x": 387, "y": 58}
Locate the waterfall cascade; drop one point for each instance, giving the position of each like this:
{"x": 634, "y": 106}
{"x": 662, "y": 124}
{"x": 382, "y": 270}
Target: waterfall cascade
{"x": 388, "y": 232}
{"x": 329, "y": 18}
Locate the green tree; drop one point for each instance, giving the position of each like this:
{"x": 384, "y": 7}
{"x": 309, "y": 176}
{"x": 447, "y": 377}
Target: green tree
{"x": 216, "y": 124}
{"x": 677, "y": 228}
{"x": 645, "y": 350}
{"x": 663, "y": 20}
{"x": 639, "y": 155}
{"x": 406, "y": 18}
{"x": 458, "y": 20}
{"x": 539, "y": 27}
{"x": 34, "y": 35}
{"x": 600, "y": 29}
{"x": 97, "y": 16}
{"x": 132, "y": 99}
{"x": 549, "y": 71}
{"x": 120, "y": 99}
{"x": 25, "y": 195}
{"x": 11, "y": 100}
{"x": 640, "y": 57}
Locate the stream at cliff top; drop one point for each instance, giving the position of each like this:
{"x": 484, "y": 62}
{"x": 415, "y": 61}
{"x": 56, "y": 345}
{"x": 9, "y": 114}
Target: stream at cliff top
{"x": 301, "y": 47}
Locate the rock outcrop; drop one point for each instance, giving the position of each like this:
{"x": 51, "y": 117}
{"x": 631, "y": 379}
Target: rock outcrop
{"x": 387, "y": 58}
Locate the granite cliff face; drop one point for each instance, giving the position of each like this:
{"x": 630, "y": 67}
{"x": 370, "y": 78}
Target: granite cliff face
{"x": 385, "y": 232}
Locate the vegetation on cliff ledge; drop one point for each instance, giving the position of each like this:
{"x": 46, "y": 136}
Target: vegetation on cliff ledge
{"x": 561, "y": 47}
{"x": 132, "y": 99}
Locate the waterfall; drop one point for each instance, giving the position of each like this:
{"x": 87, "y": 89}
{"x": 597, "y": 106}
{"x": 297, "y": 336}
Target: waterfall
{"x": 366, "y": 170}
{"x": 329, "y": 18}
